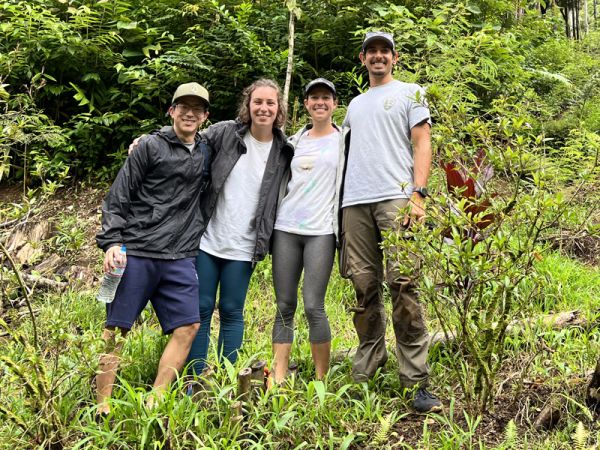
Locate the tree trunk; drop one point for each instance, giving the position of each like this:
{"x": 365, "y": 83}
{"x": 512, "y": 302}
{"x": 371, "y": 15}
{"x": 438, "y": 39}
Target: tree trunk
{"x": 586, "y": 22}
{"x": 576, "y": 20}
{"x": 565, "y": 13}
{"x": 290, "y": 63}
{"x": 593, "y": 392}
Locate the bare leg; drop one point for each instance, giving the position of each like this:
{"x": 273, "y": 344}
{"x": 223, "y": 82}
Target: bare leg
{"x": 108, "y": 367}
{"x": 173, "y": 357}
{"x": 281, "y": 361}
{"x": 320, "y": 355}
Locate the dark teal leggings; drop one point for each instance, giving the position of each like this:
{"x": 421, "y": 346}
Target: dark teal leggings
{"x": 233, "y": 278}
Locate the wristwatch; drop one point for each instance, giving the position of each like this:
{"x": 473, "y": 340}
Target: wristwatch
{"x": 422, "y": 191}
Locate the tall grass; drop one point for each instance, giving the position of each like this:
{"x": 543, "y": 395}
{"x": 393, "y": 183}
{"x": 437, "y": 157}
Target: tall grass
{"x": 303, "y": 413}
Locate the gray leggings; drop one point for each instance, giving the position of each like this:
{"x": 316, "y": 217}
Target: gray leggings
{"x": 291, "y": 254}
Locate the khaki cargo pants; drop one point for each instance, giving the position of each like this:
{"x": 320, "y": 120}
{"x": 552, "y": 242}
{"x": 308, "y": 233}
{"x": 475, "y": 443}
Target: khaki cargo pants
{"x": 362, "y": 260}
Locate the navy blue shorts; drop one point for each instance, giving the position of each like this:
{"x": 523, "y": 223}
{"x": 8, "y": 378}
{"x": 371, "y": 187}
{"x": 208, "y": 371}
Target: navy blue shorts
{"x": 170, "y": 285}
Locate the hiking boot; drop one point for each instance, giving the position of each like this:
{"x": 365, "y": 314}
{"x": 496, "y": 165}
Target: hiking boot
{"x": 425, "y": 402}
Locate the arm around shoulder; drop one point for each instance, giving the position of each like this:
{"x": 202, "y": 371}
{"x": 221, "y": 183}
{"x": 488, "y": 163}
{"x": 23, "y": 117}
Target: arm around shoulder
{"x": 215, "y": 133}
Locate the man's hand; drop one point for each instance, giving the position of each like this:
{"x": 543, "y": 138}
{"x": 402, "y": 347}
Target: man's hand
{"x": 114, "y": 257}
{"x": 416, "y": 210}
{"x": 134, "y": 144}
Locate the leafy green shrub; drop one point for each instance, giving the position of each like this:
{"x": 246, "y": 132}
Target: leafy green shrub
{"x": 70, "y": 234}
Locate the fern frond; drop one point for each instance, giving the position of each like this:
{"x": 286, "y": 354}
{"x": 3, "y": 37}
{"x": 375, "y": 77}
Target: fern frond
{"x": 385, "y": 423}
{"x": 510, "y": 434}
{"x": 580, "y": 436}
{"x": 552, "y": 76}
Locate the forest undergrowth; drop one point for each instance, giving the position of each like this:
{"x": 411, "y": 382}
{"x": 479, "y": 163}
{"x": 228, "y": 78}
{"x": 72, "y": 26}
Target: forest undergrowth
{"x": 48, "y": 400}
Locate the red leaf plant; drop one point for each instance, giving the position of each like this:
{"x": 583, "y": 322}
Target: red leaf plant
{"x": 470, "y": 186}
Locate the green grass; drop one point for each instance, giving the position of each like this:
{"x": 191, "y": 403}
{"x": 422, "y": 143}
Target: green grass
{"x": 305, "y": 413}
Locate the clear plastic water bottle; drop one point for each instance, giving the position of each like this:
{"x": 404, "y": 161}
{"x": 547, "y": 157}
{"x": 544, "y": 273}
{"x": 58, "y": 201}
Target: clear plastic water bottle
{"x": 110, "y": 282}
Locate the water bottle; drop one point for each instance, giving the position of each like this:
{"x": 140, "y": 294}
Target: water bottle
{"x": 110, "y": 282}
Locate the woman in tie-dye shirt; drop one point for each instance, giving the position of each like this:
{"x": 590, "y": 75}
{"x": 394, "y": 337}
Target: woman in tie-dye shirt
{"x": 304, "y": 232}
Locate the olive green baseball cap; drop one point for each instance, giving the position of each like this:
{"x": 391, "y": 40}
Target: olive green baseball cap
{"x": 191, "y": 90}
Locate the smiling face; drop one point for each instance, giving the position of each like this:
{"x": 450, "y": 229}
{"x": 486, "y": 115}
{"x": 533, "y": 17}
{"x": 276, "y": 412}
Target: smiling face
{"x": 188, "y": 115}
{"x": 263, "y": 107}
{"x": 320, "y": 104}
{"x": 379, "y": 59}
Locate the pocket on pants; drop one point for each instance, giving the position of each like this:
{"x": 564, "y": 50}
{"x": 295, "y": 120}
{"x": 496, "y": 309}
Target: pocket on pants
{"x": 343, "y": 258}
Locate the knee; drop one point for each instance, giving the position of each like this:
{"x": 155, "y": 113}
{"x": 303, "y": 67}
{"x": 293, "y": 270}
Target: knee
{"x": 285, "y": 311}
{"x": 366, "y": 284}
{"x": 113, "y": 338}
{"x": 399, "y": 280}
{"x": 207, "y": 306}
{"x": 314, "y": 314}
{"x": 186, "y": 332}
{"x": 114, "y": 332}
{"x": 230, "y": 313}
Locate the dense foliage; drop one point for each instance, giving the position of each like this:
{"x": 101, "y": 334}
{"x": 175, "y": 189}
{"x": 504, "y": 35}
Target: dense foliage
{"x": 79, "y": 79}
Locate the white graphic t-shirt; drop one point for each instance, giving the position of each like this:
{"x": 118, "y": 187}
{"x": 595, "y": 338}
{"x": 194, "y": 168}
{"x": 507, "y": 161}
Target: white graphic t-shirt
{"x": 380, "y": 160}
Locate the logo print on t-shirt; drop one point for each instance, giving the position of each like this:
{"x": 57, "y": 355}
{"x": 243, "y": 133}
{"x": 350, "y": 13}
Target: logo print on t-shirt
{"x": 388, "y": 103}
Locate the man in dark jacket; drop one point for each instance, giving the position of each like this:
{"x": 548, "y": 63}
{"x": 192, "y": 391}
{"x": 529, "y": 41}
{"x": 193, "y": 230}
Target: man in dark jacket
{"x": 153, "y": 208}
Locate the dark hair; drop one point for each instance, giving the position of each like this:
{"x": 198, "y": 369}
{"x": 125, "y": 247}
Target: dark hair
{"x": 244, "y": 109}
{"x": 205, "y": 104}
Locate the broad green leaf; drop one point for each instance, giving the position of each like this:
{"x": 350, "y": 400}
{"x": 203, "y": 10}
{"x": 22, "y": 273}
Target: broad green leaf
{"x": 121, "y": 25}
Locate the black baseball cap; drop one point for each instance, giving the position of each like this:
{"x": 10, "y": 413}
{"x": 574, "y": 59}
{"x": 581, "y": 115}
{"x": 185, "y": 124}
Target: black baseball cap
{"x": 371, "y": 36}
{"x": 320, "y": 82}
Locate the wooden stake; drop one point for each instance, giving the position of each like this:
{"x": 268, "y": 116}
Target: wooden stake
{"x": 258, "y": 375}
{"x": 243, "y": 388}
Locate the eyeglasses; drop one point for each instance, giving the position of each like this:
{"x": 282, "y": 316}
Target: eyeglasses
{"x": 187, "y": 108}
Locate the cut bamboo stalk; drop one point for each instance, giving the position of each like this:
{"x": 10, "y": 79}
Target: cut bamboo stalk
{"x": 258, "y": 375}
{"x": 258, "y": 370}
{"x": 244, "y": 382}
{"x": 549, "y": 415}
{"x": 293, "y": 369}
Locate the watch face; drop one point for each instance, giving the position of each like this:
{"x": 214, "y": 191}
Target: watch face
{"x": 422, "y": 191}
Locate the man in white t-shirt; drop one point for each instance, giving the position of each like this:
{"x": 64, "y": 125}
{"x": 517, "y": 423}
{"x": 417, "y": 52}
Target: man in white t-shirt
{"x": 387, "y": 164}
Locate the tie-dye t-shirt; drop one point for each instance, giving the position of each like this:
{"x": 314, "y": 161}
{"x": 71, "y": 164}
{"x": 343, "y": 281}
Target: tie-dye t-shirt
{"x": 307, "y": 208}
